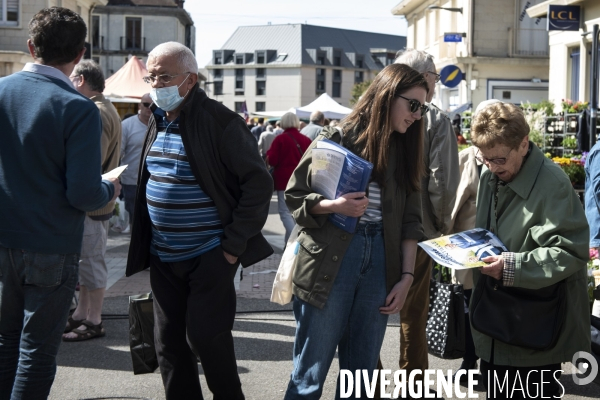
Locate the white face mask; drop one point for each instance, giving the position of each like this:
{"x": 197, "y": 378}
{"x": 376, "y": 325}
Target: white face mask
{"x": 168, "y": 98}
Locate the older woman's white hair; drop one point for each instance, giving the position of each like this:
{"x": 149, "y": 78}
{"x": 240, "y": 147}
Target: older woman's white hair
{"x": 290, "y": 120}
{"x": 185, "y": 58}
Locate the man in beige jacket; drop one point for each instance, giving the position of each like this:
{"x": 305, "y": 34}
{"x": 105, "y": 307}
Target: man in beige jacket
{"x": 86, "y": 321}
{"x": 438, "y": 193}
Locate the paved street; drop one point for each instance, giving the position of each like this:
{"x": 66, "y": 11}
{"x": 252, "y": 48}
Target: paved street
{"x": 263, "y": 332}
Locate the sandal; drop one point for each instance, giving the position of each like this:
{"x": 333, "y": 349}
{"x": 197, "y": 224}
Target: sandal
{"x": 73, "y": 323}
{"x": 92, "y": 331}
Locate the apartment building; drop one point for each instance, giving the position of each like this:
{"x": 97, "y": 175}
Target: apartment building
{"x": 503, "y": 52}
{"x": 275, "y": 67}
{"x": 14, "y": 20}
{"x": 123, "y": 28}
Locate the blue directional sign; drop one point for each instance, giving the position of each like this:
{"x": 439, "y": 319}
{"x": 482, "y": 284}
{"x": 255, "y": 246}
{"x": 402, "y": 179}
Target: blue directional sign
{"x": 452, "y": 37}
{"x": 451, "y": 76}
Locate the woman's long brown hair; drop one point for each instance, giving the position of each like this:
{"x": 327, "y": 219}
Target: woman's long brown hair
{"x": 369, "y": 133}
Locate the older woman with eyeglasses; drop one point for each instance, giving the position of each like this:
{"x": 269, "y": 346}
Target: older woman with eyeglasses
{"x": 530, "y": 204}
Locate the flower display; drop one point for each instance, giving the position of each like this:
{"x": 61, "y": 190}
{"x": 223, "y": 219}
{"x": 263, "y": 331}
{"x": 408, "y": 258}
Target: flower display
{"x": 573, "y": 167}
{"x": 593, "y": 269}
{"x": 571, "y": 107}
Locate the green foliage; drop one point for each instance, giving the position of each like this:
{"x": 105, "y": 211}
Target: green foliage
{"x": 461, "y": 147}
{"x": 569, "y": 142}
{"x": 358, "y": 90}
{"x": 575, "y": 172}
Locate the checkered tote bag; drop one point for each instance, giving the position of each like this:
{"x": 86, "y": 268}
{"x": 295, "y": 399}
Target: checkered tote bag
{"x": 445, "y": 330}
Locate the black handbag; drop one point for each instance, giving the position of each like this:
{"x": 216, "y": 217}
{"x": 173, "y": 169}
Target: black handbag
{"x": 141, "y": 334}
{"x": 517, "y": 316}
{"x": 445, "y": 331}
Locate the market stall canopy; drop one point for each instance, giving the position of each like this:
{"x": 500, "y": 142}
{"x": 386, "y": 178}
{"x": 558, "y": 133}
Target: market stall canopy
{"x": 328, "y": 106}
{"x": 126, "y": 85}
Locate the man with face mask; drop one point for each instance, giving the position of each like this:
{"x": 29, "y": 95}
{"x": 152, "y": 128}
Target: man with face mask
{"x": 202, "y": 199}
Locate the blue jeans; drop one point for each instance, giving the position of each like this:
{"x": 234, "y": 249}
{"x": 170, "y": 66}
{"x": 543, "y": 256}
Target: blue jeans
{"x": 35, "y": 295}
{"x": 285, "y": 215}
{"x": 350, "y": 320}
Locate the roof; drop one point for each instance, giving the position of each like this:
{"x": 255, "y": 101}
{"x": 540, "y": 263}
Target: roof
{"x": 295, "y": 39}
{"x": 150, "y": 3}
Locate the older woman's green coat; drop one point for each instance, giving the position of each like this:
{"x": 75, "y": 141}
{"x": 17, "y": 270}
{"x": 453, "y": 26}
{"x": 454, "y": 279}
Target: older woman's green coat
{"x": 323, "y": 245}
{"x": 541, "y": 220}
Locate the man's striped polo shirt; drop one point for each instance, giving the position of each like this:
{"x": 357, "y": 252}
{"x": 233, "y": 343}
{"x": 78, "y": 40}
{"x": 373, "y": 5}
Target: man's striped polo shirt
{"x": 185, "y": 221}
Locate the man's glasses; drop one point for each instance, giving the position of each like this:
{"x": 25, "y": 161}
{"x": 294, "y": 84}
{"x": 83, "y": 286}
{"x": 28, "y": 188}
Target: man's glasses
{"x": 415, "y": 105}
{"x": 164, "y": 78}
{"x": 146, "y": 104}
{"x": 437, "y": 76}
{"x": 497, "y": 161}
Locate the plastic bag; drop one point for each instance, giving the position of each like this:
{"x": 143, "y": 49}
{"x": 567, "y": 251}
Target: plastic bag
{"x": 282, "y": 285}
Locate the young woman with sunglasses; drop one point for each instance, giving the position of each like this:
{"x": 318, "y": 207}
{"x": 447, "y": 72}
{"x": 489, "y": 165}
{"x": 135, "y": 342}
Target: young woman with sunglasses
{"x": 346, "y": 284}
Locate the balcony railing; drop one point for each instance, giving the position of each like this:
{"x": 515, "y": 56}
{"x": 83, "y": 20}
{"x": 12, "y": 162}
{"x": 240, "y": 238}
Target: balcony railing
{"x": 129, "y": 44}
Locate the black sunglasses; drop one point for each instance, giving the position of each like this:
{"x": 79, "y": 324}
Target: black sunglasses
{"x": 146, "y": 104}
{"x": 415, "y": 105}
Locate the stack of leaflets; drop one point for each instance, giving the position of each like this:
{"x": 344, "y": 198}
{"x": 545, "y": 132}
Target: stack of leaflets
{"x": 335, "y": 172}
{"x": 464, "y": 249}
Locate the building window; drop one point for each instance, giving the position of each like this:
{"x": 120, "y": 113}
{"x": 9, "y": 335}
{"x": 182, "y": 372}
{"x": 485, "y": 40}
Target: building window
{"x": 359, "y": 62}
{"x": 260, "y": 58}
{"x": 337, "y": 83}
{"x": 239, "y": 59}
{"x": 260, "y": 106}
{"x": 133, "y": 33}
{"x": 359, "y": 76}
{"x": 575, "y": 75}
{"x": 261, "y": 88}
{"x": 9, "y": 12}
{"x": 218, "y": 58}
{"x": 217, "y": 73}
{"x": 320, "y": 80}
{"x": 96, "y": 60}
{"x": 239, "y": 107}
{"x": 281, "y": 57}
{"x": 218, "y": 86}
{"x": 96, "y": 32}
{"x": 321, "y": 58}
{"x": 239, "y": 81}
{"x": 261, "y": 73}
{"x": 337, "y": 59}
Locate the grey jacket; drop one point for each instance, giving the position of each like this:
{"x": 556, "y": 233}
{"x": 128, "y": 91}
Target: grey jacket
{"x": 442, "y": 176}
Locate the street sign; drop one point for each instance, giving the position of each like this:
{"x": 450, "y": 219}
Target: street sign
{"x": 451, "y": 76}
{"x": 453, "y": 37}
{"x": 563, "y": 18}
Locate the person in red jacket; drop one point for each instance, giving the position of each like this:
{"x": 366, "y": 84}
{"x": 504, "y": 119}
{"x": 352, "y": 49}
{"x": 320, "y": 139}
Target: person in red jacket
{"x": 284, "y": 155}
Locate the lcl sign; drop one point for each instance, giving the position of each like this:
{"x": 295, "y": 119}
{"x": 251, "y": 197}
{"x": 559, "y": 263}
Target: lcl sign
{"x": 563, "y": 18}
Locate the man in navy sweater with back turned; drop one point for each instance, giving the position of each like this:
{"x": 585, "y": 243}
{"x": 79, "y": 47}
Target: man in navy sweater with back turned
{"x": 49, "y": 177}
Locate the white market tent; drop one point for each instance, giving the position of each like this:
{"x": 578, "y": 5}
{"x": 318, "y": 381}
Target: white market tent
{"x": 324, "y": 103}
{"x": 126, "y": 85}
{"x": 328, "y": 106}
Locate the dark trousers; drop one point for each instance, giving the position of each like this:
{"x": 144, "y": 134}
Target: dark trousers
{"x": 129, "y": 193}
{"x": 194, "y": 310}
{"x": 470, "y": 358}
{"x": 532, "y": 380}
{"x": 413, "y": 317}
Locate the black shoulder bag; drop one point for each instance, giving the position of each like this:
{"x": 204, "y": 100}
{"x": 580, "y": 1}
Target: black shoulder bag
{"x": 531, "y": 318}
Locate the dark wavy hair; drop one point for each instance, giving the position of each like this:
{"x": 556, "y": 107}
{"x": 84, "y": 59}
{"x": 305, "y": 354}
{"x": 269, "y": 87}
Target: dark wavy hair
{"x": 58, "y": 35}
{"x": 369, "y": 132}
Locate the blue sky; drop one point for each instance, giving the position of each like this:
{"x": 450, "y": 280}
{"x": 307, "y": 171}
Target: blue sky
{"x": 216, "y": 21}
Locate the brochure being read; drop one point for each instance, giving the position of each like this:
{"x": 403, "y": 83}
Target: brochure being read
{"x": 335, "y": 172}
{"x": 464, "y": 250}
